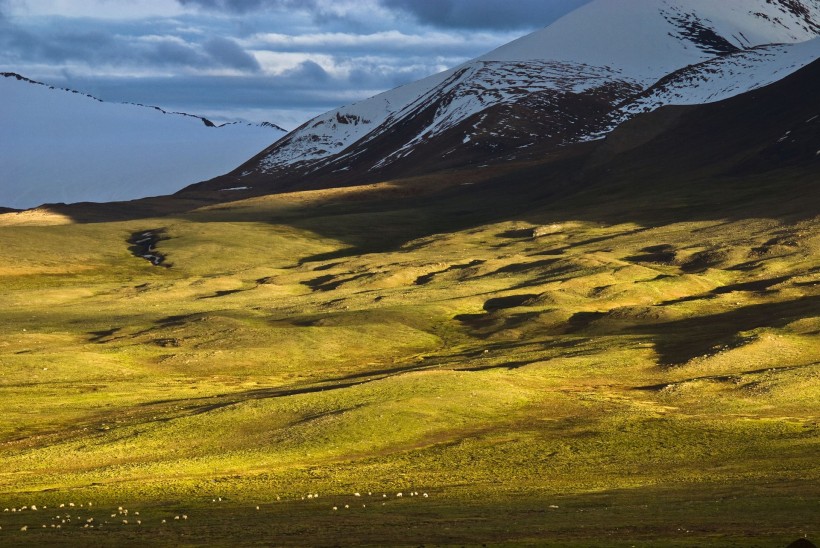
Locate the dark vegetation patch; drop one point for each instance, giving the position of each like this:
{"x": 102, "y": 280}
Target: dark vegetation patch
{"x": 509, "y": 366}
{"x": 330, "y": 282}
{"x": 515, "y": 234}
{"x": 525, "y": 267}
{"x": 582, "y": 320}
{"x": 660, "y": 254}
{"x": 326, "y": 266}
{"x": 559, "y": 273}
{"x": 143, "y": 245}
{"x": 100, "y": 336}
{"x": 179, "y": 320}
{"x": 223, "y": 293}
{"x": 552, "y": 252}
{"x": 702, "y": 260}
{"x": 757, "y": 285}
{"x": 802, "y": 543}
{"x": 687, "y": 299}
{"x": 427, "y": 278}
{"x": 512, "y": 301}
{"x": 745, "y": 267}
{"x": 476, "y": 321}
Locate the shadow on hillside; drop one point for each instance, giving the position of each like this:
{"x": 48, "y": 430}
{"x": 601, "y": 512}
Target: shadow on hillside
{"x": 695, "y": 166}
{"x": 677, "y": 342}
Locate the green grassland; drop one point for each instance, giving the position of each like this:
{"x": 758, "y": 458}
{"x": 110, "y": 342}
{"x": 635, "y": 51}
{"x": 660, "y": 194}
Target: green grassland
{"x": 634, "y": 373}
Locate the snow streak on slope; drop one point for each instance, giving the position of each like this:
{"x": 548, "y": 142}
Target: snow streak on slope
{"x": 647, "y": 39}
{"x": 627, "y": 45}
{"x": 486, "y": 84}
{"x": 331, "y": 133}
{"x": 725, "y": 76}
{"x": 60, "y": 146}
{"x": 459, "y": 94}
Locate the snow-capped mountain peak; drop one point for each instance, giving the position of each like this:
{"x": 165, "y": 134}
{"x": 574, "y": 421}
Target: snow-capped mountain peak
{"x": 646, "y": 39}
{"x": 564, "y": 83}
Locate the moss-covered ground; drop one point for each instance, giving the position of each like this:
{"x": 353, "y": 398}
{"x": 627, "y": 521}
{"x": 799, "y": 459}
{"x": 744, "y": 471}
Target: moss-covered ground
{"x": 589, "y": 371}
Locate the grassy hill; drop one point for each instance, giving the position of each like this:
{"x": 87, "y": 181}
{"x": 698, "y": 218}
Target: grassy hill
{"x": 614, "y": 344}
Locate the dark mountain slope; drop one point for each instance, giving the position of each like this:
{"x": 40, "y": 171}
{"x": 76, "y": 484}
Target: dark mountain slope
{"x": 572, "y": 81}
{"x": 743, "y": 130}
{"x": 706, "y": 161}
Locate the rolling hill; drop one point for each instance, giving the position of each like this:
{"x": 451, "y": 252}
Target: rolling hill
{"x": 614, "y": 344}
{"x": 611, "y": 342}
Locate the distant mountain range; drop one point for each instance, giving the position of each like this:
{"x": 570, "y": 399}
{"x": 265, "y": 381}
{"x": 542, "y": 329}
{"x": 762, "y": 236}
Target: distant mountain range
{"x": 572, "y": 81}
{"x": 61, "y": 145}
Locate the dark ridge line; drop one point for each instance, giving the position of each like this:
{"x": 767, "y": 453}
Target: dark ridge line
{"x": 204, "y": 120}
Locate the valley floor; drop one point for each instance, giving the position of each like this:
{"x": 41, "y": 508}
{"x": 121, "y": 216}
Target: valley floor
{"x": 523, "y": 372}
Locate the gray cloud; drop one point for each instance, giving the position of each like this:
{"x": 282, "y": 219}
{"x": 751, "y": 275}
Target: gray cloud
{"x": 228, "y": 53}
{"x": 485, "y": 14}
{"x": 286, "y": 60}
{"x": 245, "y": 6}
{"x": 171, "y": 53}
{"x": 58, "y": 47}
{"x": 64, "y": 44}
{"x": 307, "y": 72}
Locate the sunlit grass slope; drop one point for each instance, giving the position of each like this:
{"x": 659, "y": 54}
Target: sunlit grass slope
{"x": 528, "y": 370}
{"x": 614, "y": 344}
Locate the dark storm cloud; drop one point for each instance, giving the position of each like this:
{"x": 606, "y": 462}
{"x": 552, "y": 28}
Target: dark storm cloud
{"x": 307, "y": 72}
{"x": 58, "y": 47}
{"x": 485, "y": 14}
{"x": 66, "y": 42}
{"x": 229, "y": 54}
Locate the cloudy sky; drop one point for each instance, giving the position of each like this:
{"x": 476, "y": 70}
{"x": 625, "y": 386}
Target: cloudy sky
{"x": 278, "y": 60}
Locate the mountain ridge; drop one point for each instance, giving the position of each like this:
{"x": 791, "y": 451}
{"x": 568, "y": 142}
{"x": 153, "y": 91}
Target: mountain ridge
{"x": 62, "y": 145}
{"x": 490, "y": 104}
{"x": 207, "y": 122}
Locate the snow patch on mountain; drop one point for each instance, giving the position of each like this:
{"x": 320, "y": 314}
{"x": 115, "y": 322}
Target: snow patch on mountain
{"x": 63, "y": 146}
{"x": 628, "y": 45}
{"x": 331, "y": 133}
{"x": 647, "y": 39}
{"x": 486, "y": 84}
{"x": 726, "y": 76}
